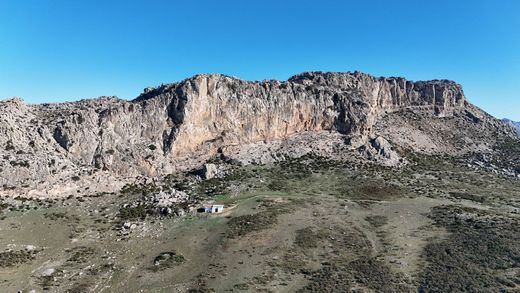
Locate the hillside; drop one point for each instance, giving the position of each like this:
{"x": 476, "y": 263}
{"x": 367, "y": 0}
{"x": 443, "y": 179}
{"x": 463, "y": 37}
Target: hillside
{"x": 327, "y": 182}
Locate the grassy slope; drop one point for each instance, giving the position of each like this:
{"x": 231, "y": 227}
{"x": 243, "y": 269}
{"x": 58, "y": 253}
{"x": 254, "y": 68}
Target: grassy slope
{"x": 307, "y": 225}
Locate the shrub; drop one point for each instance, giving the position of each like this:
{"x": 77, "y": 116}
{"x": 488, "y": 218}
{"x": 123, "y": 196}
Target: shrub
{"x": 20, "y": 163}
{"x": 306, "y": 238}
{"x": 167, "y": 260}
{"x": 133, "y": 212}
{"x": 9, "y": 145}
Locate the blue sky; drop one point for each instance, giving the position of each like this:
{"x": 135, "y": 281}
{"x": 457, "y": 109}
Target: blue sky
{"x": 55, "y": 50}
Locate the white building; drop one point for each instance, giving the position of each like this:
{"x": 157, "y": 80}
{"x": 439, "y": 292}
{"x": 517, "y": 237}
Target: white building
{"x": 214, "y": 209}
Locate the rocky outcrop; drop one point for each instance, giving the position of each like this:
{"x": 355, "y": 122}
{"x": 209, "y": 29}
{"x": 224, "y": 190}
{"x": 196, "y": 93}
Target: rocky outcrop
{"x": 210, "y": 171}
{"x": 181, "y": 125}
{"x": 220, "y": 110}
{"x": 380, "y": 150}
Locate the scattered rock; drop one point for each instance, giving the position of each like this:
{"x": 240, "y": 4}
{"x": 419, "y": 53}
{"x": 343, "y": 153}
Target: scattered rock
{"x": 48, "y": 272}
{"x": 210, "y": 171}
{"x": 30, "y": 247}
{"x": 379, "y": 149}
{"x": 165, "y": 199}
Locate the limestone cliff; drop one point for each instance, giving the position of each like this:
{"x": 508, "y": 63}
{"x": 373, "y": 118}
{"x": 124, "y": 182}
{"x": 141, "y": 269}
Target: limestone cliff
{"x": 181, "y": 125}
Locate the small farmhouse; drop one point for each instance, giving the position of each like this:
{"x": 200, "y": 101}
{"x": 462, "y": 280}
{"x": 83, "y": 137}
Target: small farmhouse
{"x": 214, "y": 209}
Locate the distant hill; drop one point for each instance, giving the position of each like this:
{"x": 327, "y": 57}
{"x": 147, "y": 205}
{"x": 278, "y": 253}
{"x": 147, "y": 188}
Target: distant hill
{"x": 516, "y": 125}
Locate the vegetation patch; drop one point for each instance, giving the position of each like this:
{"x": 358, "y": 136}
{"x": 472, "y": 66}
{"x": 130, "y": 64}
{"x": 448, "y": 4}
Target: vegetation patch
{"x": 21, "y": 163}
{"x": 242, "y": 225}
{"x": 12, "y": 258}
{"x": 377, "y": 221}
{"x": 277, "y": 185}
{"x": 9, "y": 146}
{"x": 349, "y": 266}
{"x": 55, "y": 216}
{"x": 3, "y": 206}
{"x": 376, "y": 275}
{"x": 245, "y": 224}
{"x": 80, "y": 254}
{"x": 468, "y": 196}
{"x": 508, "y": 154}
{"x": 130, "y": 212}
{"x": 166, "y": 260}
{"x": 139, "y": 189}
{"x": 306, "y": 238}
{"x": 241, "y": 286}
{"x": 50, "y": 280}
{"x": 328, "y": 279}
{"x": 478, "y": 253}
{"x": 79, "y": 287}
{"x": 368, "y": 189}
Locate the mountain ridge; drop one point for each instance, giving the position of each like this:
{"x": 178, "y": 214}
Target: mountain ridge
{"x": 182, "y": 125}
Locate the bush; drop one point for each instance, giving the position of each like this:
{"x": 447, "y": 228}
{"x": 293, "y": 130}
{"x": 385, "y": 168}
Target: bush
{"x": 377, "y": 221}
{"x": 13, "y": 258}
{"x": 133, "y": 213}
{"x": 9, "y": 145}
{"x": 306, "y": 238}
{"x": 166, "y": 260}
{"x": 20, "y": 163}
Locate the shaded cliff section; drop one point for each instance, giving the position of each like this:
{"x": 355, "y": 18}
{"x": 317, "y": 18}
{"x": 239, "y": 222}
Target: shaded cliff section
{"x": 184, "y": 123}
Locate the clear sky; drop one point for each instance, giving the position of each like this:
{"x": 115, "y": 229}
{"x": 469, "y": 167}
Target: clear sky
{"x": 62, "y": 50}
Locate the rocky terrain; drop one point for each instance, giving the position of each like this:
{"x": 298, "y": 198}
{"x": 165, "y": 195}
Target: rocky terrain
{"x": 91, "y": 146}
{"x": 331, "y": 182}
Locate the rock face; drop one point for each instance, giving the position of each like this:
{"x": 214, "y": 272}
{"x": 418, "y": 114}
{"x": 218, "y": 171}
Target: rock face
{"x": 99, "y": 142}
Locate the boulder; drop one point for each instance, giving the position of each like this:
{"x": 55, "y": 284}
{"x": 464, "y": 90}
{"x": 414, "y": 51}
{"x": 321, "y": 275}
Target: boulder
{"x": 210, "y": 171}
